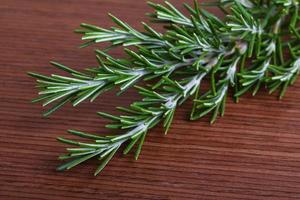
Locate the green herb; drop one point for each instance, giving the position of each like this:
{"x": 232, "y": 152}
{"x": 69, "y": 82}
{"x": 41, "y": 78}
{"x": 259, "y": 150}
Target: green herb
{"x": 256, "y": 44}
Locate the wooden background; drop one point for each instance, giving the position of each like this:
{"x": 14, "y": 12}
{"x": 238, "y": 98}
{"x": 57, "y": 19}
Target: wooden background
{"x": 252, "y": 153}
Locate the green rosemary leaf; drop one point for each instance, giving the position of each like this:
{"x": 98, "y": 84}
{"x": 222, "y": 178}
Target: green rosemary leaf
{"x": 65, "y": 68}
{"x": 85, "y": 135}
{"x": 131, "y": 144}
{"x": 76, "y": 161}
{"x": 139, "y": 148}
{"x": 105, "y": 161}
{"x": 57, "y": 106}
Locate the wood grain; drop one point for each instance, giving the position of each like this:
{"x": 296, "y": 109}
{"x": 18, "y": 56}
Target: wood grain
{"x": 252, "y": 153}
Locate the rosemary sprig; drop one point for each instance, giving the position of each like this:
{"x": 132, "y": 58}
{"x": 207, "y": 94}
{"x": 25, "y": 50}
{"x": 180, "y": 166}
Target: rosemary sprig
{"x": 143, "y": 115}
{"x": 256, "y": 44}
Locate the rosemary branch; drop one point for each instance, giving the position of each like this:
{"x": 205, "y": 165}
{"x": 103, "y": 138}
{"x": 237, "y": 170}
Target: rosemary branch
{"x": 256, "y": 44}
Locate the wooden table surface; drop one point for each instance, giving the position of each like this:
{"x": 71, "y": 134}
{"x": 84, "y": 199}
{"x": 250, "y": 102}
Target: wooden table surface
{"x": 251, "y": 153}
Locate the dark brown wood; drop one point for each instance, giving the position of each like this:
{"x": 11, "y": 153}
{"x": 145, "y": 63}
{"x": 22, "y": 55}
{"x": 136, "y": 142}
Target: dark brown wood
{"x": 252, "y": 153}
